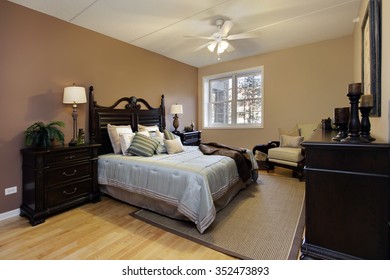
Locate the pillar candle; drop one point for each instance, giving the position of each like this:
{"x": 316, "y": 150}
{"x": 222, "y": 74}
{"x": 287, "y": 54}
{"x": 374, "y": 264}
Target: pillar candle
{"x": 355, "y": 88}
{"x": 341, "y": 115}
{"x": 366, "y": 100}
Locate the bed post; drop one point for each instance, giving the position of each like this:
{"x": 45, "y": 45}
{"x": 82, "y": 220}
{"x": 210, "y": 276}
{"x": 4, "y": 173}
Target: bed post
{"x": 163, "y": 124}
{"x": 91, "y": 116}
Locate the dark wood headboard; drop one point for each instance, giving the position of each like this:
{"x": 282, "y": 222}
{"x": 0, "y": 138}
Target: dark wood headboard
{"x": 135, "y": 111}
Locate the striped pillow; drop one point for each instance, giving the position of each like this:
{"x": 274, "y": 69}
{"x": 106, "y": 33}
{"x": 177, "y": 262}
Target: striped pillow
{"x": 143, "y": 146}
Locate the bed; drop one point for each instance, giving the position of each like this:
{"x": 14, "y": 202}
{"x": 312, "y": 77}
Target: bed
{"x": 183, "y": 184}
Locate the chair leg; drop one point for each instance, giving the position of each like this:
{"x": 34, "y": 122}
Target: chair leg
{"x": 270, "y": 166}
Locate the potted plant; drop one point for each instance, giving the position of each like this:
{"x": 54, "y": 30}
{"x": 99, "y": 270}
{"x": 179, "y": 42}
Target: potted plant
{"x": 43, "y": 135}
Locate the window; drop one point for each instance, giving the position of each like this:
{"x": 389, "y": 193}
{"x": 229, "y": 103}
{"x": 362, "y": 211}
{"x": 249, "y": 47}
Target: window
{"x": 234, "y": 100}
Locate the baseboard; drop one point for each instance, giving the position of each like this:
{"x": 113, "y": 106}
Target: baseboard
{"x": 9, "y": 214}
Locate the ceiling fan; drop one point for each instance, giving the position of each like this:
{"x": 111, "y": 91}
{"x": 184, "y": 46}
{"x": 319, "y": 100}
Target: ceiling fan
{"x": 219, "y": 41}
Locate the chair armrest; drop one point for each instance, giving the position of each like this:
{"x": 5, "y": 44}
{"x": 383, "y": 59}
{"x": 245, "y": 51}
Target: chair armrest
{"x": 265, "y": 147}
{"x": 273, "y": 144}
{"x": 261, "y": 148}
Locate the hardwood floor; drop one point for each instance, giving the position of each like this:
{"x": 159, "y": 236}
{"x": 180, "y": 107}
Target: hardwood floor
{"x": 103, "y": 230}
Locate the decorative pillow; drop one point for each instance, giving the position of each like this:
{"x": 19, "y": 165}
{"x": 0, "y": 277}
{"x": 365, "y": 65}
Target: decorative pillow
{"x": 142, "y": 146}
{"x": 126, "y": 139}
{"x": 173, "y": 146}
{"x": 161, "y": 149}
{"x": 169, "y": 135}
{"x": 152, "y": 128}
{"x": 157, "y": 134}
{"x": 144, "y": 132}
{"x": 291, "y": 141}
{"x": 113, "y": 133}
{"x": 293, "y": 132}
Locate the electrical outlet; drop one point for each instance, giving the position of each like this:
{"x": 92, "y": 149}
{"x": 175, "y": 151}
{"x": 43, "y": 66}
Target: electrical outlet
{"x": 11, "y": 190}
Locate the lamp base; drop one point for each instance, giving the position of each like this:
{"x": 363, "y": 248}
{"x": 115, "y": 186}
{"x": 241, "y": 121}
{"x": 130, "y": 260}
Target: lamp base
{"x": 175, "y": 122}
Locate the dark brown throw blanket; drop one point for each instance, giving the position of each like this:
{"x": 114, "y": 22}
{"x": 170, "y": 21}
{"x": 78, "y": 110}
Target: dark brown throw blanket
{"x": 243, "y": 164}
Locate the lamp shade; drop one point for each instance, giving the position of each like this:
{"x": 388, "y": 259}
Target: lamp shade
{"x": 74, "y": 94}
{"x": 177, "y": 109}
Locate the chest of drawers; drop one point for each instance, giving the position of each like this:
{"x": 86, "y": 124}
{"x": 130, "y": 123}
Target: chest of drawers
{"x": 347, "y": 199}
{"x": 57, "y": 179}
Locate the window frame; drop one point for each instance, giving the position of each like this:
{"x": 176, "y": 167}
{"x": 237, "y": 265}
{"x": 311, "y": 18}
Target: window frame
{"x": 206, "y": 122}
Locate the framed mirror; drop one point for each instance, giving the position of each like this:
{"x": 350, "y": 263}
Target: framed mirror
{"x": 371, "y": 54}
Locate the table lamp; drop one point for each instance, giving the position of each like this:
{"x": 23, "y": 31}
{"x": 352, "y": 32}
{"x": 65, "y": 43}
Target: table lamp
{"x": 176, "y": 109}
{"x": 74, "y": 95}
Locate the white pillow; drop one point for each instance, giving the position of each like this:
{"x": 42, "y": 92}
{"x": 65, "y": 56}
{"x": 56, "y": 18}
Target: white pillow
{"x": 144, "y": 132}
{"x": 113, "y": 133}
{"x": 152, "y": 128}
{"x": 126, "y": 139}
{"x": 291, "y": 141}
{"x": 173, "y": 146}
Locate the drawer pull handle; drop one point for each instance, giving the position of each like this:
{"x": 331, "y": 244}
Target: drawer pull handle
{"x": 68, "y": 175}
{"x": 72, "y": 192}
{"x": 70, "y": 157}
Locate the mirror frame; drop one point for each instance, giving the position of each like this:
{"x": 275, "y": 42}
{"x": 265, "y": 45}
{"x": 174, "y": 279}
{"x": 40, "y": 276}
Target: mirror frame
{"x": 371, "y": 54}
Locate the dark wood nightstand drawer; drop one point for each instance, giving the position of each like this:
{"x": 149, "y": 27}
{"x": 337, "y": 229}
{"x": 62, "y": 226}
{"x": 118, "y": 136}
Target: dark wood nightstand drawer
{"x": 62, "y": 174}
{"x": 67, "y": 192}
{"x": 190, "y": 138}
{"x": 67, "y": 156}
{"x": 57, "y": 179}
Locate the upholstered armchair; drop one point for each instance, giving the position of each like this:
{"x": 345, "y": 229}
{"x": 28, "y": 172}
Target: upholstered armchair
{"x": 287, "y": 152}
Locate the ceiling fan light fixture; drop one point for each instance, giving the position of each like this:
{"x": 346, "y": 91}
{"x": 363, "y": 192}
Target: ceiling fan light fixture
{"x": 222, "y": 46}
{"x": 212, "y": 46}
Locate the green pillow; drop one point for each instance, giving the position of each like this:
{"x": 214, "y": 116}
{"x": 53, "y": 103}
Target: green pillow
{"x": 142, "y": 146}
{"x": 169, "y": 135}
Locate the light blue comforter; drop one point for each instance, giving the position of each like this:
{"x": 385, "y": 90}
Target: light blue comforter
{"x": 189, "y": 180}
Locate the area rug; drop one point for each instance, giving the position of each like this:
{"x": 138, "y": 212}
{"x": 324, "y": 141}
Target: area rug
{"x": 264, "y": 221}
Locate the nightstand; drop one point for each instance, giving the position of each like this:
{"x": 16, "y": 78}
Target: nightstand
{"x": 57, "y": 179}
{"x": 191, "y": 138}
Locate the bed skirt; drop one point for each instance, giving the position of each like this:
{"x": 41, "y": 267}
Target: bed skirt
{"x": 162, "y": 207}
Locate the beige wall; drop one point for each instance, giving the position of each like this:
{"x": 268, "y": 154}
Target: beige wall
{"x": 301, "y": 85}
{"x": 40, "y": 55}
{"x": 379, "y": 125}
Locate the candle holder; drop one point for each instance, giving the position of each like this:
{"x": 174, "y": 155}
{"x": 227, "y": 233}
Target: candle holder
{"x": 343, "y": 131}
{"x": 341, "y": 119}
{"x": 354, "y": 123}
{"x": 365, "y": 125}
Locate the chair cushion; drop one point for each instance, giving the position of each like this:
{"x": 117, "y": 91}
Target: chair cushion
{"x": 307, "y": 130}
{"x": 286, "y": 154}
{"x": 291, "y": 141}
{"x": 292, "y": 132}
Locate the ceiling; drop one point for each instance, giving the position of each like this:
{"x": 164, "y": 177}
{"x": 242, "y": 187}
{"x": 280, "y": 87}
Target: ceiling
{"x": 161, "y": 26}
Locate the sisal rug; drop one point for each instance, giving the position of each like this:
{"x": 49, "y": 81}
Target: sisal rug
{"x": 264, "y": 221}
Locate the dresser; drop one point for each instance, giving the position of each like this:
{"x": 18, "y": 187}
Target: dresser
{"x": 347, "y": 199}
{"x": 191, "y": 138}
{"x": 57, "y": 179}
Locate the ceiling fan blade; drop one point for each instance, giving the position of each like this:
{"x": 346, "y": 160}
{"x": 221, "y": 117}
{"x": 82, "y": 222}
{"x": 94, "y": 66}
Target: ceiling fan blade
{"x": 225, "y": 28}
{"x": 201, "y": 47}
{"x": 200, "y": 37}
{"x": 242, "y": 36}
